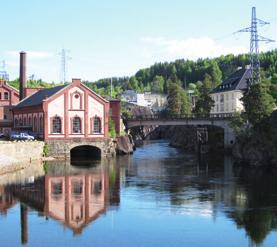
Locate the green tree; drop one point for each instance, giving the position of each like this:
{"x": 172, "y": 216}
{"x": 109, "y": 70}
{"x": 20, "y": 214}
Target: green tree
{"x": 204, "y": 102}
{"x": 157, "y": 85}
{"x": 178, "y": 100}
{"x": 185, "y": 103}
{"x": 258, "y": 103}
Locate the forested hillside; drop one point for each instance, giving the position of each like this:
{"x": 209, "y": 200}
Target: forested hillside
{"x": 187, "y": 73}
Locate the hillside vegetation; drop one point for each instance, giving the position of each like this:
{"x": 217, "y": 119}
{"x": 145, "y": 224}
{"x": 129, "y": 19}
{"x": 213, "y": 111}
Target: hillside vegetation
{"x": 188, "y": 74}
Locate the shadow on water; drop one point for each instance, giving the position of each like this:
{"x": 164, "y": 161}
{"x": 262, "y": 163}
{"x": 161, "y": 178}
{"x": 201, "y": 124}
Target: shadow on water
{"x": 85, "y": 156}
{"x": 157, "y": 175}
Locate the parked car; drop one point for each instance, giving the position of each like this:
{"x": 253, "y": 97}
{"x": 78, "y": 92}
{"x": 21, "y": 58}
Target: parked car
{"x": 2, "y": 136}
{"x": 22, "y": 136}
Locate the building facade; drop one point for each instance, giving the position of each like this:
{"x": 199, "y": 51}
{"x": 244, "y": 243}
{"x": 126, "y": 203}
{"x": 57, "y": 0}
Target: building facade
{"x": 227, "y": 96}
{"x": 9, "y": 97}
{"x": 64, "y": 112}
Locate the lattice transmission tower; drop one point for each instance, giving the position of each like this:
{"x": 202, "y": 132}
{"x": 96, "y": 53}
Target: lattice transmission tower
{"x": 254, "y": 46}
{"x": 3, "y": 73}
{"x": 64, "y": 65}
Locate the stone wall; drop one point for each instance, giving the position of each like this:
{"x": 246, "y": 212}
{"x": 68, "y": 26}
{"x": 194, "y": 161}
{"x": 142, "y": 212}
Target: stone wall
{"x": 17, "y": 155}
{"x": 61, "y": 148}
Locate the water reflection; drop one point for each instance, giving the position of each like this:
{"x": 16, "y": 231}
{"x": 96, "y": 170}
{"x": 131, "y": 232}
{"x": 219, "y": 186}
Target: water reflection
{"x": 157, "y": 179}
{"x": 75, "y": 199}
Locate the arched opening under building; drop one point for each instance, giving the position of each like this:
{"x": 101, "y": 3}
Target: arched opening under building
{"x": 85, "y": 155}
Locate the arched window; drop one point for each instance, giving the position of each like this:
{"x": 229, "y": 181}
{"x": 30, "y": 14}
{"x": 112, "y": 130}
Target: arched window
{"x": 24, "y": 121}
{"x": 76, "y": 125}
{"x": 97, "y": 125}
{"x": 16, "y": 122}
{"x": 56, "y": 125}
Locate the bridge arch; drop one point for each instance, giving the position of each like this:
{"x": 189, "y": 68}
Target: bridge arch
{"x": 218, "y": 120}
{"x": 84, "y": 154}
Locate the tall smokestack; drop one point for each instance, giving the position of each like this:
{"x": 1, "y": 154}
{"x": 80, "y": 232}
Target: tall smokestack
{"x": 22, "y": 75}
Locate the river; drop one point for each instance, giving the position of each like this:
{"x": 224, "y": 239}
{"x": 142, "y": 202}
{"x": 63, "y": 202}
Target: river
{"x": 160, "y": 196}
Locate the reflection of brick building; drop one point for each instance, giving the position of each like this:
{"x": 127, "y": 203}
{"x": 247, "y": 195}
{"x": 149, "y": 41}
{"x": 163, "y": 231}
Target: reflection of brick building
{"x": 76, "y": 200}
{"x": 6, "y": 201}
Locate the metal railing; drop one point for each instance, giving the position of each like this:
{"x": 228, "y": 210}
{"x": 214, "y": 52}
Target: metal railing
{"x": 180, "y": 117}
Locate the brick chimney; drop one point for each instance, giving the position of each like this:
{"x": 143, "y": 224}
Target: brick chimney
{"x": 22, "y": 75}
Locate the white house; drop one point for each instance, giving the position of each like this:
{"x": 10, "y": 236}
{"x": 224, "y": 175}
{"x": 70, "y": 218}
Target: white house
{"x": 227, "y": 96}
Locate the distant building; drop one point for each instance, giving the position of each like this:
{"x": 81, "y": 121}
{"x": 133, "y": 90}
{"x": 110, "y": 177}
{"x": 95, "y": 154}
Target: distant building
{"x": 155, "y": 102}
{"x": 9, "y": 97}
{"x": 227, "y": 96}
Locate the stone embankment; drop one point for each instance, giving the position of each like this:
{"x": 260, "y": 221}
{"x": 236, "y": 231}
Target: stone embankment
{"x": 18, "y": 154}
{"x": 185, "y": 137}
{"x": 124, "y": 145}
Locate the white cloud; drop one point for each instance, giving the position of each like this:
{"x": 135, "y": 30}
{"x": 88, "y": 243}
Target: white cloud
{"x": 32, "y": 54}
{"x": 191, "y": 48}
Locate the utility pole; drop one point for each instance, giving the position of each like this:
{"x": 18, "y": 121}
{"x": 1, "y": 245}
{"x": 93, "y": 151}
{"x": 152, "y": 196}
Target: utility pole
{"x": 64, "y": 61}
{"x": 254, "y": 46}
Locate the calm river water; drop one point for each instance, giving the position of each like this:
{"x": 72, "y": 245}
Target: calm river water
{"x": 160, "y": 196}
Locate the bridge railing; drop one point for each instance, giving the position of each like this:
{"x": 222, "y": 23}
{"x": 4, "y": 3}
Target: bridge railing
{"x": 180, "y": 117}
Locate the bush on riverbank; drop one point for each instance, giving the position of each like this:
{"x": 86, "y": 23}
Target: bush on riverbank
{"x": 257, "y": 145}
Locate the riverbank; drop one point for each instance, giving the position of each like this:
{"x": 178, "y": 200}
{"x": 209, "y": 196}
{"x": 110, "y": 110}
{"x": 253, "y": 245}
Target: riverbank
{"x": 257, "y": 146}
{"x": 16, "y": 155}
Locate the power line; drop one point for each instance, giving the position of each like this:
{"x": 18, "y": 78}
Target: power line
{"x": 254, "y": 45}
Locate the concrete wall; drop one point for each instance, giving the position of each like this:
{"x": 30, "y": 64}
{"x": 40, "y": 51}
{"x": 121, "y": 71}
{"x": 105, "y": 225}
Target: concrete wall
{"x": 13, "y": 154}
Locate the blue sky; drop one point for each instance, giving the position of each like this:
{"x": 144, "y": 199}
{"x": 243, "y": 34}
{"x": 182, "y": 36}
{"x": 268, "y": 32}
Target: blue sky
{"x": 118, "y": 37}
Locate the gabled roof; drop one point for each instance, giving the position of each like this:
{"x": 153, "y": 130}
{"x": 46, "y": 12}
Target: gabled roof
{"x": 239, "y": 80}
{"x": 9, "y": 87}
{"x": 38, "y": 97}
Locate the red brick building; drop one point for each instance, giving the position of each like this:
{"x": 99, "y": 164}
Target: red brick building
{"x": 65, "y": 112}
{"x": 9, "y": 97}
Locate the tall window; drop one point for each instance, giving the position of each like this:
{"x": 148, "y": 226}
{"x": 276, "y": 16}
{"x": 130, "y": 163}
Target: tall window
{"x": 6, "y": 95}
{"x": 221, "y": 98}
{"x": 41, "y": 124}
{"x": 56, "y": 125}
{"x": 30, "y": 121}
{"x": 35, "y": 124}
{"x": 76, "y": 125}
{"x": 96, "y": 125}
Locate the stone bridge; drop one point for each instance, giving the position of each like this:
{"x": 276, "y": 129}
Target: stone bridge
{"x": 96, "y": 148}
{"x": 219, "y": 120}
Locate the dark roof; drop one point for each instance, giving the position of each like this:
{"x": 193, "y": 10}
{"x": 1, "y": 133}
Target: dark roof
{"x": 38, "y": 97}
{"x": 109, "y": 98}
{"x": 237, "y": 81}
